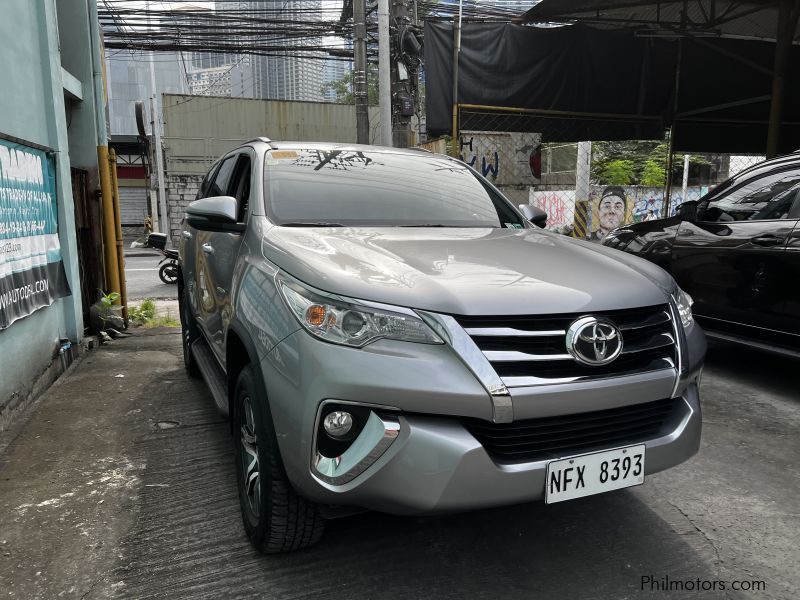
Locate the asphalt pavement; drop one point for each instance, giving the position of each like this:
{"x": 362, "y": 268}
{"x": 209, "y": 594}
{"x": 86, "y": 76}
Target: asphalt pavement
{"x": 141, "y": 276}
{"x": 122, "y": 484}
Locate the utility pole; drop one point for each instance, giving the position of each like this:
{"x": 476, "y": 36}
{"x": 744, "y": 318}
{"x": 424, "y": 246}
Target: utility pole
{"x": 406, "y": 44}
{"x": 360, "y": 74}
{"x": 162, "y": 224}
{"x": 788, "y": 16}
{"x": 456, "y": 149}
{"x": 685, "y": 182}
{"x": 384, "y": 73}
{"x": 583, "y": 170}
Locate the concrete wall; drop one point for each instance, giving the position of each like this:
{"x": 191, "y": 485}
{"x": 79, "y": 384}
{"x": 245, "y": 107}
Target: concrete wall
{"x": 200, "y": 129}
{"x": 33, "y": 112}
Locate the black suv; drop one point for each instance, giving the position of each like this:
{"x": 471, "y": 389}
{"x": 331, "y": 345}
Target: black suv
{"x": 736, "y": 251}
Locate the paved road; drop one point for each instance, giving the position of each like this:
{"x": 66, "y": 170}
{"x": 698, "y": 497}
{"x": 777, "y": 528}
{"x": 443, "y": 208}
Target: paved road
{"x": 150, "y": 446}
{"x": 141, "y": 276}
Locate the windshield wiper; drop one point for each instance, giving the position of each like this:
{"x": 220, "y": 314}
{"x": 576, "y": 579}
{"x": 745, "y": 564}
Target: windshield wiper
{"x": 312, "y": 224}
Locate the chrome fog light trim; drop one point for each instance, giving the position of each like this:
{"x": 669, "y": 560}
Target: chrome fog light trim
{"x": 377, "y": 435}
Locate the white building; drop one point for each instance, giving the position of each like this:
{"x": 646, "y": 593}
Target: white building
{"x": 212, "y": 81}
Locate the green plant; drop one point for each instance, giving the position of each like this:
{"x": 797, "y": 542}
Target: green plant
{"x": 618, "y": 172}
{"x": 108, "y": 300}
{"x": 162, "y": 321}
{"x": 143, "y": 313}
{"x": 106, "y": 313}
{"x": 653, "y": 174}
{"x": 343, "y": 88}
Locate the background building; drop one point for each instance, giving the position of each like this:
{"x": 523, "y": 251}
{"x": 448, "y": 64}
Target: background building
{"x": 211, "y": 81}
{"x": 129, "y": 80}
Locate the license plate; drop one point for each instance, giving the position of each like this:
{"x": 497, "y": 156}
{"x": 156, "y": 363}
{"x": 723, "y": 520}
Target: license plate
{"x": 594, "y": 473}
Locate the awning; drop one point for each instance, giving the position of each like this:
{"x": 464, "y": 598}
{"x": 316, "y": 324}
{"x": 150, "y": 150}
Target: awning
{"x": 753, "y": 19}
{"x": 773, "y": 23}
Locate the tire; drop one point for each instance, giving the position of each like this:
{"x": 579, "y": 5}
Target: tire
{"x": 189, "y": 334}
{"x": 168, "y": 273}
{"x": 275, "y": 517}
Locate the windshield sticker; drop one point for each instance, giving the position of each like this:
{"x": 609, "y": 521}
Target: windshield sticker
{"x": 283, "y": 154}
{"x": 334, "y": 159}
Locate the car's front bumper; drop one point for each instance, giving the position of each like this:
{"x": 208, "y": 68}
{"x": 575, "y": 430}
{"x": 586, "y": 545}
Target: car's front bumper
{"x": 432, "y": 463}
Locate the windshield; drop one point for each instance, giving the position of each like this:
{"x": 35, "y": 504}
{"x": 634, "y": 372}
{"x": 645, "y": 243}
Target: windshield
{"x": 380, "y": 189}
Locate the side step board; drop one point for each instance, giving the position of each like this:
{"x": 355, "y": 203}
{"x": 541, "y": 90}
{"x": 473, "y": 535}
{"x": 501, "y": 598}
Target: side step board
{"x": 212, "y": 373}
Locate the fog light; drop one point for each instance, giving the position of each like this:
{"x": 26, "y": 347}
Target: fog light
{"x": 338, "y": 423}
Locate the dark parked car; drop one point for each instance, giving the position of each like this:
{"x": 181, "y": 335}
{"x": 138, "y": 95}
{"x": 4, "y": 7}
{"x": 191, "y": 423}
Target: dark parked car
{"x": 736, "y": 251}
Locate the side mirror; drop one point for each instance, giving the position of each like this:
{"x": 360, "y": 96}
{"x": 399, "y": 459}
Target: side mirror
{"x": 534, "y": 214}
{"x": 217, "y": 213}
{"x": 688, "y": 211}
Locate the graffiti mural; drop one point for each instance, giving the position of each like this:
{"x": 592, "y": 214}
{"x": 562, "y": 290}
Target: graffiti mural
{"x": 612, "y": 207}
{"x": 504, "y": 158}
{"x": 559, "y": 206}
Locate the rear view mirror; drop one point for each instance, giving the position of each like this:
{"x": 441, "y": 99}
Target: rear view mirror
{"x": 534, "y": 214}
{"x": 688, "y": 211}
{"x": 217, "y": 213}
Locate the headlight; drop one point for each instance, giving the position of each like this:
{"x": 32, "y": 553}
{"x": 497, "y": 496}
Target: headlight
{"x": 683, "y": 302}
{"x": 339, "y": 321}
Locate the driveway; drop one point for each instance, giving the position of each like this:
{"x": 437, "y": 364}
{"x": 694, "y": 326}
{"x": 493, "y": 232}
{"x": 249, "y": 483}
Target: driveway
{"x": 122, "y": 484}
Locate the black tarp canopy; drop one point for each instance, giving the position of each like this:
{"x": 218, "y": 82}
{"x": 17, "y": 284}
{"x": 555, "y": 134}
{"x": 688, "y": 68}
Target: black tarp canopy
{"x": 740, "y": 19}
{"x": 628, "y": 71}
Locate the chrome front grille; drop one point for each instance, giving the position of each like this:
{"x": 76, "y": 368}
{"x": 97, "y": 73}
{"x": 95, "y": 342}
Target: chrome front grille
{"x": 532, "y": 350}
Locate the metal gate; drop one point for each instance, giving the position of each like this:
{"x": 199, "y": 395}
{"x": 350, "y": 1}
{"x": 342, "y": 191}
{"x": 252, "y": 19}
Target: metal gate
{"x": 133, "y": 205}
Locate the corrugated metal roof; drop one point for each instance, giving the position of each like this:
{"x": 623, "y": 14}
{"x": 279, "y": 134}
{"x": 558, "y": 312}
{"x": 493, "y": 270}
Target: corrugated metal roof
{"x": 753, "y": 19}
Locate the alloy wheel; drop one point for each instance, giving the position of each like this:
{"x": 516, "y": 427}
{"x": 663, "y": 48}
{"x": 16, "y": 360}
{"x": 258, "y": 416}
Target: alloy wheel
{"x": 251, "y": 480}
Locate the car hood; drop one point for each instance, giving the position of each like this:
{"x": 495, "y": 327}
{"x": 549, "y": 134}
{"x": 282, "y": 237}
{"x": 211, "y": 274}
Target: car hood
{"x": 466, "y": 271}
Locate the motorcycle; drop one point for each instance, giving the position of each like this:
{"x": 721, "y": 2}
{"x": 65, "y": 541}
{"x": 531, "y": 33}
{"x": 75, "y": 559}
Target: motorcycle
{"x": 168, "y": 266}
{"x": 168, "y": 271}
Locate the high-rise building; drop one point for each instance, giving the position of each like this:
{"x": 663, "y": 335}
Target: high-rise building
{"x": 295, "y": 75}
{"x": 336, "y": 68}
{"x": 211, "y": 81}
{"x": 129, "y": 80}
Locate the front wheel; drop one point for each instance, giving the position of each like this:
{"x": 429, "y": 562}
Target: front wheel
{"x": 275, "y": 517}
{"x": 168, "y": 273}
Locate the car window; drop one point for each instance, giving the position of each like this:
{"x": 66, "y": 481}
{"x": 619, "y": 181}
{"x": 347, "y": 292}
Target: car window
{"x": 219, "y": 186}
{"x": 768, "y": 197}
{"x": 380, "y": 189}
{"x": 240, "y": 186}
{"x": 203, "y": 191}
{"x": 756, "y": 172}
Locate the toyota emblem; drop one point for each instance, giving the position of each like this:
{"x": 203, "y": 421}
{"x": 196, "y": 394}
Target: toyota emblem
{"x": 594, "y": 341}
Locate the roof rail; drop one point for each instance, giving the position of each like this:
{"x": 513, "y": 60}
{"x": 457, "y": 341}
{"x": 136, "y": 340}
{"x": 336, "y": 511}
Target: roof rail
{"x": 262, "y": 138}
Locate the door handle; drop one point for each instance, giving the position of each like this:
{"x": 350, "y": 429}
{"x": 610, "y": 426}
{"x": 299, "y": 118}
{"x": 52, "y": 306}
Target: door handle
{"x": 208, "y": 248}
{"x": 767, "y": 240}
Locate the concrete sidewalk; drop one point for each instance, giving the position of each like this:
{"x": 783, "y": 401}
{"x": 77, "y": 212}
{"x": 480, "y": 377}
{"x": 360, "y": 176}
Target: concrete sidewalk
{"x": 70, "y": 481}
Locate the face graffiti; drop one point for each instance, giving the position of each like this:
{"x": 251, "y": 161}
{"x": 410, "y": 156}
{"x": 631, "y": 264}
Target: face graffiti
{"x": 611, "y": 212}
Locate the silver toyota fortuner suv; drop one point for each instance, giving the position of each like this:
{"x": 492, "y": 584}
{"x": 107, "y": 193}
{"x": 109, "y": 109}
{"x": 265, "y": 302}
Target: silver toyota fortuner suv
{"x": 386, "y": 331}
